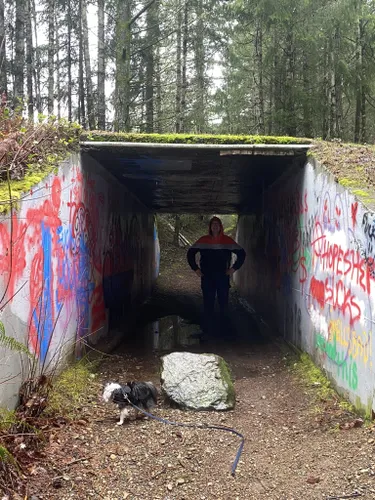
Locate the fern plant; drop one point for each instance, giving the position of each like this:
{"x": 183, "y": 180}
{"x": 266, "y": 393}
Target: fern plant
{"x": 11, "y": 343}
{"x": 5, "y": 455}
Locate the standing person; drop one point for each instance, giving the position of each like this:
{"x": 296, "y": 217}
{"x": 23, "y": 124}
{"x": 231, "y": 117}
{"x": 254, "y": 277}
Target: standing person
{"x": 215, "y": 271}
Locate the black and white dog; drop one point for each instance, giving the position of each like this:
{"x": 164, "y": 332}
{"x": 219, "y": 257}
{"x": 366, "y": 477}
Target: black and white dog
{"x": 142, "y": 394}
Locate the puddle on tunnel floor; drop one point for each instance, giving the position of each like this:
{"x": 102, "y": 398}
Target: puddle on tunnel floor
{"x": 171, "y": 332}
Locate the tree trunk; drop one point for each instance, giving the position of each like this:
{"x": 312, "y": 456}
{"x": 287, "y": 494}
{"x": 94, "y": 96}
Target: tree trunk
{"x": 184, "y": 66}
{"x": 358, "y": 77}
{"x": 3, "y": 60}
{"x": 290, "y": 126}
{"x": 178, "y": 68}
{"x": 101, "y": 66}
{"x": 81, "y": 85}
{"x": 325, "y": 91}
{"x": 37, "y": 63}
{"x": 338, "y": 84}
{"x": 158, "y": 108}
{"x": 277, "y": 86}
{"x": 19, "y": 63}
{"x": 259, "y": 64}
{"x": 69, "y": 60}
{"x": 86, "y": 54}
{"x": 122, "y": 84}
{"x": 363, "y": 135}
{"x": 151, "y": 23}
{"x": 29, "y": 63}
{"x": 307, "y": 112}
{"x": 51, "y": 54}
{"x": 332, "y": 92}
{"x": 200, "y": 122}
{"x": 58, "y": 69}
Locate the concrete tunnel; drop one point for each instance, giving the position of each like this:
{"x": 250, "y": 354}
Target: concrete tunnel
{"x": 309, "y": 272}
{"x": 87, "y": 249}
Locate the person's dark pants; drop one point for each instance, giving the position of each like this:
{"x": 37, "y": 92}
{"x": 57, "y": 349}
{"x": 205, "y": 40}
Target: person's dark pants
{"x": 211, "y": 286}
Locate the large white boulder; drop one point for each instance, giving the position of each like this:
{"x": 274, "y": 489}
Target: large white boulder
{"x": 197, "y": 381}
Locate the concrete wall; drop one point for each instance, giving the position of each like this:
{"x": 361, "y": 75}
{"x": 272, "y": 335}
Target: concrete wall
{"x": 310, "y": 270}
{"x": 76, "y": 258}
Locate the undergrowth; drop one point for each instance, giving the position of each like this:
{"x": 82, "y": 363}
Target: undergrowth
{"x": 71, "y": 388}
{"x": 313, "y": 376}
{"x": 29, "y": 152}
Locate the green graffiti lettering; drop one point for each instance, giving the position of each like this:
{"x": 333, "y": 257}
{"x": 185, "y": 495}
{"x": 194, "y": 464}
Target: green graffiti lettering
{"x": 346, "y": 368}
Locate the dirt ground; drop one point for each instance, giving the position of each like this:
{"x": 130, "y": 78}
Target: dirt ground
{"x": 297, "y": 447}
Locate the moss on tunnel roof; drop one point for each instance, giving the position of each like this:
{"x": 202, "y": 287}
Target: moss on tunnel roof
{"x": 98, "y": 136}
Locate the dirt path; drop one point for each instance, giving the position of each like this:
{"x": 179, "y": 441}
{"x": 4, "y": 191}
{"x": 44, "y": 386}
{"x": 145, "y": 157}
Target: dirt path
{"x": 294, "y": 448}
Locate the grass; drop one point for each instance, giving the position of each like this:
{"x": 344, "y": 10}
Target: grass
{"x": 70, "y": 389}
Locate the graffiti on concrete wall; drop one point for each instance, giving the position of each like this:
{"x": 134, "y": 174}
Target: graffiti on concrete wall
{"x": 70, "y": 254}
{"x": 320, "y": 244}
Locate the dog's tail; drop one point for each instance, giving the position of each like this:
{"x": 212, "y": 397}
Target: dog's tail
{"x": 153, "y": 391}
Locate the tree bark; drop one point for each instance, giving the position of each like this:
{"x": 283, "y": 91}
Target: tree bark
{"x": 307, "y": 118}
{"x": 358, "y": 76}
{"x": 36, "y": 62}
{"x": 259, "y": 63}
{"x": 101, "y": 66}
{"x": 29, "y": 63}
{"x": 200, "y": 122}
{"x": 3, "y": 59}
{"x": 338, "y": 84}
{"x": 81, "y": 85}
{"x": 86, "y": 54}
{"x": 19, "y": 63}
{"x": 51, "y": 54}
{"x": 290, "y": 126}
{"x": 151, "y": 23}
{"x": 69, "y": 61}
{"x": 184, "y": 65}
{"x": 178, "y": 68}
{"x": 58, "y": 69}
{"x": 122, "y": 83}
{"x": 363, "y": 135}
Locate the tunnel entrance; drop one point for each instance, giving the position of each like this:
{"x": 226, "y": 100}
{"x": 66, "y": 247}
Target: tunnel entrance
{"x": 188, "y": 179}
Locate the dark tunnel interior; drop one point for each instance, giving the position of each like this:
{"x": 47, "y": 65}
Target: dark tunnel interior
{"x": 192, "y": 179}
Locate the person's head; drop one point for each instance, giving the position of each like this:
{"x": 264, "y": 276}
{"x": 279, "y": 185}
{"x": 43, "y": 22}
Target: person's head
{"x": 216, "y": 226}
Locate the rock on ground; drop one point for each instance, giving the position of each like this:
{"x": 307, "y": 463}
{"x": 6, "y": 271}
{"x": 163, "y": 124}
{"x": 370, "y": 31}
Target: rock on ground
{"x": 197, "y": 381}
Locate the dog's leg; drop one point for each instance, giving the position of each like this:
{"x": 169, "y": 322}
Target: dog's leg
{"x": 135, "y": 414}
{"x": 123, "y": 413}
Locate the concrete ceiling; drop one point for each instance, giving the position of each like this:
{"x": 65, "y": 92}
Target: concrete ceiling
{"x": 181, "y": 178}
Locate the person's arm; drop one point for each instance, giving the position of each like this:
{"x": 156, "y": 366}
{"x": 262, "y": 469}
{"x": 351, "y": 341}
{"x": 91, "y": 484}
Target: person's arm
{"x": 191, "y": 253}
{"x": 240, "y": 254}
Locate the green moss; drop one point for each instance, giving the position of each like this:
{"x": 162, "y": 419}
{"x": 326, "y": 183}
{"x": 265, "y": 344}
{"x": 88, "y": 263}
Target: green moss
{"x": 21, "y": 186}
{"x": 70, "y": 389}
{"x": 344, "y": 181}
{"x": 227, "y": 377}
{"x": 54, "y": 141}
{"x": 346, "y": 406}
{"x": 314, "y": 376}
{"x": 98, "y": 136}
{"x": 361, "y": 193}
